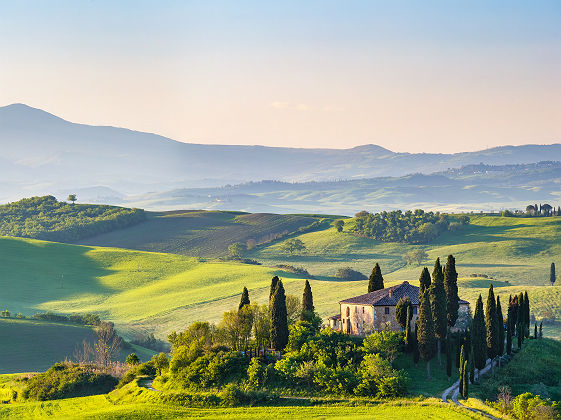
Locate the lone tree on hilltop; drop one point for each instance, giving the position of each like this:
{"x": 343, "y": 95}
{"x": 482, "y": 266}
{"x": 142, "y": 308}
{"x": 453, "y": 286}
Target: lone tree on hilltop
{"x": 403, "y": 313}
{"x": 552, "y": 274}
{"x": 451, "y": 287}
{"x": 279, "y": 321}
{"x": 375, "y": 281}
{"x": 478, "y": 336}
{"x": 425, "y": 333}
{"x": 492, "y": 327}
{"x": 438, "y": 306}
{"x": 424, "y": 280}
{"x": 72, "y": 197}
{"x": 501, "y": 331}
{"x": 244, "y": 299}
{"x": 307, "y": 302}
{"x": 417, "y": 256}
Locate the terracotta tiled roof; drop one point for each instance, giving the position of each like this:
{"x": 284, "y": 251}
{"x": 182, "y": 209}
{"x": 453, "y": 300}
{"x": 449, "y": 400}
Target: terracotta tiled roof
{"x": 338, "y": 316}
{"x": 390, "y": 296}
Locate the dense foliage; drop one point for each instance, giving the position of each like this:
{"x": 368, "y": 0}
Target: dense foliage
{"x": 48, "y": 219}
{"x": 65, "y": 380}
{"x": 348, "y": 274}
{"x": 413, "y": 227}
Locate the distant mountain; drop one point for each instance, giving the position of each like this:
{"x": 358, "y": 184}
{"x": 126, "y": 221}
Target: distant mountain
{"x": 42, "y": 154}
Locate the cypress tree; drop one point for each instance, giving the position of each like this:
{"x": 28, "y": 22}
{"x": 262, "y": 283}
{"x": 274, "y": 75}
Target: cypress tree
{"x": 478, "y": 336}
{"x": 462, "y": 358}
{"x": 424, "y": 281}
{"x": 274, "y": 282}
{"x": 448, "y": 354}
{"x": 415, "y": 346}
{"x": 279, "y": 324}
{"x": 438, "y": 306}
{"x": 471, "y": 365}
{"x": 307, "y": 302}
{"x": 535, "y": 331}
{"x": 501, "y": 323}
{"x": 451, "y": 286}
{"x": 425, "y": 333}
{"x": 402, "y": 311}
{"x": 541, "y": 332}
{"x": 552, "y": 274}
{"x": 527, "y": 313}
{"x": 376, "y": 281}
{"x": 459, "y": 344}
{"x": 513, "y": 313}
{"x": 408, "y": 338}
{"x": 508, "y": 336}
{"x": 245, "y": 298}
{"x": 461, "y": 381}
{"x": 520, "y": 314}
{"x": 465, "y": 381}
{"x": 520, "y": 335}
{"x": 492, "y": 326}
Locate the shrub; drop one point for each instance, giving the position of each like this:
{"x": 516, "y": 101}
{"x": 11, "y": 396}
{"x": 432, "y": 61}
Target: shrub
{"x": 349, "y": 274}
{"x": 255, "y": 373}
{"x": 132, "y": 359}
{"x": 385, "y": 343}
{"x": 64, "y": 380}
{"x": 5, "y": 314}
{"x": 232, "y": 396}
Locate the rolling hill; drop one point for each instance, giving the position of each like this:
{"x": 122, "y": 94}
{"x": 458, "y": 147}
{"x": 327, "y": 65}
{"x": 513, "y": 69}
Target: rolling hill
{"x": 46, "y": 154}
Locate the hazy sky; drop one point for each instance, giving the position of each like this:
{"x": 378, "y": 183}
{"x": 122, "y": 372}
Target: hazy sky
{"x": 410, "y": 76}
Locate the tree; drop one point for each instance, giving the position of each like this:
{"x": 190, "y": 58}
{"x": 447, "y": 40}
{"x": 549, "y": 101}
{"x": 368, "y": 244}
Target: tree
{"x": 552, "y": 274}
{"x": 417, "y": 256}
{"x": 492, "y": 326}
{"x": 237, "y": 249}
{"x": 424, "y": 280}
{"x": 307, "y": 302}
{"x": 161, "y": 363}
{"x": 461, "y": 369}
{"x": 107, "y": 344}
{"x": 261, "y": 325}
{"x": 293, "y": 309}
{"x": 274, "y": 282}
{"x": 478, "y": 336}
{"x": 451, "y": 287}
{"x": 375, "y": 281}
{"x": 465, "y": 381}
{"x": 520, "y": 334}
{"x": 415, "y": 346}
{"x": 293, "y": 246}
{"x": 338, "y": 225}
{"x": 425, "y": 333}
{"x": 535, "y": 331}
{"x": 408, "y": 333}
{"x": 521, "y": 315}
{"x": 132, "y": 359}
{"x": 403, "y": 310}
{"x": 448, "y": 354}
{"x": 501, "y": 324}
{"x": 527, "y": 313}
{"x": 471, "y": 366}
{"x": 541, "y": 323}
{"x": 235, "y": 327}
{"x": 438, "y": 306}
{"x": 279, "y": 322}
{"x": 508, "y": 335}
{"x": 72, "y": 197}
{"x": 245, "y": 298}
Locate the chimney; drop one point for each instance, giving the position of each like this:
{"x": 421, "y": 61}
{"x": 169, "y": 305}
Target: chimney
{"x": 390, "y": 293}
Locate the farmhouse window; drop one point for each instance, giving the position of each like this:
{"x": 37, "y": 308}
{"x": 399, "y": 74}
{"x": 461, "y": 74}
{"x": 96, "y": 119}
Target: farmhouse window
{"x": 414, "y": 310}
{"x": 348, "y": 311}
{"x": 387, "y": 311}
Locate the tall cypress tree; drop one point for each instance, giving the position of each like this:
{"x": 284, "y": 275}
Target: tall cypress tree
{"x": 274, "y": 282}
{"x": 459, "y": 344}
{"x": 408, "y": 333}
{"x": 535, "y": 331}
{"x": 376, "y": 281}
{"x": 438, "y": 306}
{"x": 520, "y": 315}
{"x": 448, "y": 354}
{"x": 501, "y": 324}
{"x": 415, "y": 346}
{"x": 279, "y": 323}
{"x": 527, "y": 313}
{"x": 478, "y": 336}
{"x": 451, "y": 287}
{"x": 425, "y": 333}
{"x": 541, "y": 322}
{"x": 520, "y": 334}
{"x": 471, "y": 365}
{"x": 552, "y": 274}
{"x": 492, "y": 326}
{"x": 508, "y": 335}
{"x": 424, "y": 280}
{"x": 307, "y": 302}
{"x": 465, "y": 381}
{"x": 245, "y": 298}
{"x": 463, "y": 357}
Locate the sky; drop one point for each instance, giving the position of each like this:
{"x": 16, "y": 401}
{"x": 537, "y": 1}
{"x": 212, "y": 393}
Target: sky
{"x": 411, "y": 76}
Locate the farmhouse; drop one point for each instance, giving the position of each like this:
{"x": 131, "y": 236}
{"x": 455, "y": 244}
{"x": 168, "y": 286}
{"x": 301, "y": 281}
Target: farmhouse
{"x": 375, "y": 311}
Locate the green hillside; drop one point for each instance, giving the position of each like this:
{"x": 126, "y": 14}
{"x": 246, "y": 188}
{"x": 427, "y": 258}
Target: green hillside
{"x": 202, "y": 233}
{"x": 34, "y": 346}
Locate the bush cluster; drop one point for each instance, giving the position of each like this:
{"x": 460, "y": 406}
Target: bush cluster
{"x": 80, "y": 319}
{"x": 48, "y": 219}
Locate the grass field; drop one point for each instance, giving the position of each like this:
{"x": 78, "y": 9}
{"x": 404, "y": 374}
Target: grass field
{"x": 204, "y": 234}
{"x": 33, "y": 346}
{"x": 132, "y": 402}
